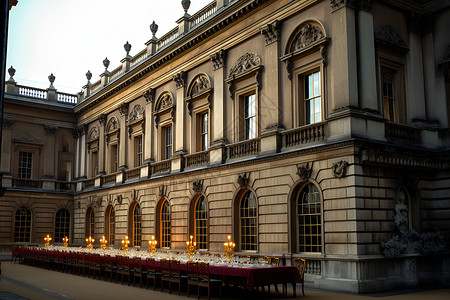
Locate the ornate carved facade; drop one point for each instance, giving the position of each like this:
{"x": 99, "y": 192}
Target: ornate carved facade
{"x": 313, "y": 117}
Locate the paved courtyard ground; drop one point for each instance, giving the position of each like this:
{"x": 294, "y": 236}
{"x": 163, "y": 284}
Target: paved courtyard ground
{"x": 25, "y": 282}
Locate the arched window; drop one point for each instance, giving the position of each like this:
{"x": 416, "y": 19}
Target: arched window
{"x": 165, "y": 224}
{"x": 201, "y": 223}
{"x": 136, "y": 219}
{"x": 110, "y": 221}
{"x": 248, "y": 222}
{"x": 22, "y": 225}
{"x": 90, "y": 222}
{"x": 309, "y": 219}
{"x": 62, "y": 225}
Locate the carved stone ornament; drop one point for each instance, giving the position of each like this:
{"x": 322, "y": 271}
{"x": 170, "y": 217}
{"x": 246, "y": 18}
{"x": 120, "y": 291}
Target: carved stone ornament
{"x": 337, "y": 4}
{"x": 102, "y": 119}
{"x": 243, "y": 180}
{"x": 112, "y": 125}
{"x": 164, "y": 101}
{"x": 98, "y": 202}
{"x": 200, "y": 83}
{"x": 304, "y": 171}
{"x": 136, "y": 113}
{"x": 365, "y": 5}
{"x": 340, "y": 168}
{"x": 7, "y": 123}
{"x": 93, "y": 134}
{"x": 77, "y": 204}
{"x": 149, "y": 95}
{"x": 180, "y": 79}
{"x": 28, "y": 137}
{"x": 388, "y": 36}
{"x": 123, "y": 109}
{"x": 246, "y": 62}
{"x": 197, "y": 186}
{"x": 218, "y": 59}
{"x": 130, "y": 131}
{"x": 50, "y": 129}
{"x": 271, "y": 32}
{"x": 162, "y": 191}
{"x": 308, "y": 35}
{"x": 119, "y": 199}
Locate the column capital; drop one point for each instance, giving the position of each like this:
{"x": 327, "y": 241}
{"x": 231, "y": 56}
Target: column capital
{"x": 271, "y": 32}
{"x": 365, "y": 5}
{"x": 149, "y": 95}
{"x": 338, "y": 4}
{"x": 102, "y": 119}
{"x": 123, "y": 109}
{"x": 219, "y": 59}
{"x": 180, "y": 79}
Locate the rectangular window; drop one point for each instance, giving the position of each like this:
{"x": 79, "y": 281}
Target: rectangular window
{"x": 114, "y": 159}
{"x": 203, "y": 131}
{"x": 139, "y": 154}
{"x": 168, "y": 142}
{"x": 313, "y": 99}
{"x": 250, "y": 116}
{"x": 388, "y": 94}
{"x": 94, "y": 163}
{"x": 25, "y": 164}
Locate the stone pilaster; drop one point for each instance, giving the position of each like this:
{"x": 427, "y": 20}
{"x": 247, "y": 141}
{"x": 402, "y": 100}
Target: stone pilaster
{"x": 343, "y": 93}
{"x": 366, "y": 62}
{"x": 271, "y": 106}
{"x": 149, "y": 126}
{"x": 123, "y": 109}
{"x": 101, "y": 144}
{"x": 219, "y": 115}
{"x": 49, "y": 152}
{"x": 83, "y": 148}
{"x": 180, "y": 134}
{"x": 415, "y": 93}
{"x": 6, "y": 146}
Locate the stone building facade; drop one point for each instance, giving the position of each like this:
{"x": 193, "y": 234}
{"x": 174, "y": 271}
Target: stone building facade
{"x": 313, "y": 129}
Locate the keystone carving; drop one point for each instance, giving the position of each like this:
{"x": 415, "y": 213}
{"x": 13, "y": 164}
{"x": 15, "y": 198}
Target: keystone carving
{"x": 340, "y": 168}
{"x": 304, "y": 171}
{"x": 197, "y": 186}
{"x": 243, "y": 180}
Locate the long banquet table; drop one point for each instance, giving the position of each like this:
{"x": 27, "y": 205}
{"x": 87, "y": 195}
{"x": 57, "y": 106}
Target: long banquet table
{"x": 244, "y": 275}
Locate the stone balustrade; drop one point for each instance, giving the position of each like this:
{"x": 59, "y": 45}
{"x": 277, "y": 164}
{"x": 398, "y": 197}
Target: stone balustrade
{"x": 198, "y": 159}
{"x": 304, "y": 134}
{"x": 245, "y": 148}
{"x": 203, "y": 14}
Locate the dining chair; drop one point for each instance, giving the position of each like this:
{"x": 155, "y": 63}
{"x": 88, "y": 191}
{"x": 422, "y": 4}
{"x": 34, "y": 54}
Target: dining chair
{"x": 110, "y": 267}
{"x": 175, "y": 275}
{"x": 165, "y": 272}
{"x": 274, "y": 261}
{"x": 152, "y": 273}
{"x": 205, "y": 280}
{"x": 123, "y": 269}
{"x": 300, "y": 264}
{"x": 192, "y": 274}
{"x": 139, "y": 270}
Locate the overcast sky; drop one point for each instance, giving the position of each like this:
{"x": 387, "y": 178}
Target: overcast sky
{"x": 70, "y": 37}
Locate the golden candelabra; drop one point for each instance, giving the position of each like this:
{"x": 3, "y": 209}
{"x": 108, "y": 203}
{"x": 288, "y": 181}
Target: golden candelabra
{"x": 103, "y": 242}
{"x": 191, "y": 247}
{"x": 47, "y": 240}
{"x": 89, "y": 242}
{"x": 229, "y": 249}
{"x": 65, "y": 241}
{"x": 125, "y": 244}
{"x": 152, "y": 245}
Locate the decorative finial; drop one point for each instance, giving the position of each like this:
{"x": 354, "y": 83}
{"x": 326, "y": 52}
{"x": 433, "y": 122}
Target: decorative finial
{"x": 51, "y": 78}
{"x": 106, "y": 63}
{"x": 89, "y": 76}
{"x": 154, "y": 28}
{"x": 11, "y": 72}
{"x": 127, "y": 48}
{"x": 186, "y": 4}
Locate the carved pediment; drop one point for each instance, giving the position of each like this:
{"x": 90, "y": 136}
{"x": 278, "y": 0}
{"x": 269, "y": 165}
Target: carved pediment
{"x": 136, "y": 113}
{"x": 165, "y": 100}
{"x": 199, "y": 84}
{"x": 112, "y": 125}
{"x": 245, "y": 63}
{"x": 93, "y": 134}
{"x": 388, "y": 36}
{"x": 307, "y": 35}
{"x": 28, "y": 137}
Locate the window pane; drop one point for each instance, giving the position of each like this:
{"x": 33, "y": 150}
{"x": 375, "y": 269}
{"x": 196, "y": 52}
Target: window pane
{"x": 201, "y": 223}
{"x": 309, "y": 220}
{"x": 62, "y": 225}
{"x": 22, "y": 225}
{"x": 137, "y": 226}
{"x": 316, "y": 84}
{"x": 165, "y": 224}
{"x": 248, "y": 221}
